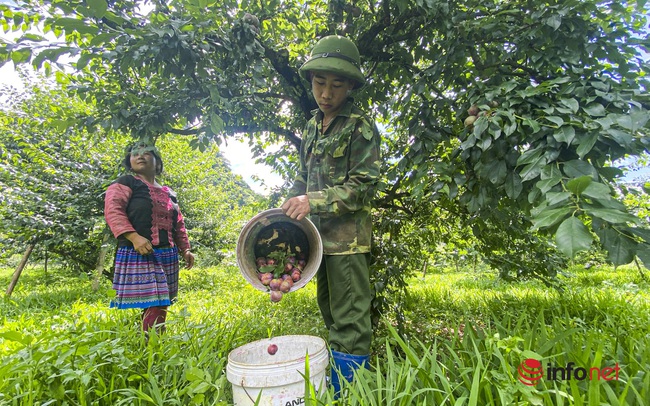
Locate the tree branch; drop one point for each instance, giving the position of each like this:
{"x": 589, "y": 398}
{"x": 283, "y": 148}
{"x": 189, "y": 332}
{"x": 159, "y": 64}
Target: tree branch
{"x": 235, "y": 129}
{"x": 280, "y": 61}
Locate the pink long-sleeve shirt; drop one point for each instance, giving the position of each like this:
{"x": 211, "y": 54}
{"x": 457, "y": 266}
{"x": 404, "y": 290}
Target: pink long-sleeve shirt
{"x": 133, "y": 204}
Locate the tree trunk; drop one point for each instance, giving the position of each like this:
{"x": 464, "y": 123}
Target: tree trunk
{"x": 101, "y": 260}
{"x": 19, "y": 269}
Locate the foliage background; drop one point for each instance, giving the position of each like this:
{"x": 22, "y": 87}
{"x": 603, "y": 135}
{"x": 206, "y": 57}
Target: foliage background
{"x": 561, "y": 88}
{"x": 54, "y": 177}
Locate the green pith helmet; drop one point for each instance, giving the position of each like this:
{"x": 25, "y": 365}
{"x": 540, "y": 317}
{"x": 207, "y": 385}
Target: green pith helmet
{"x": 335, "y": 54}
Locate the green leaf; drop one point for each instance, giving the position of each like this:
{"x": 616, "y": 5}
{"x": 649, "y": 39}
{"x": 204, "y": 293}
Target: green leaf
{"x": 597, "y": 191}
{"x": 21, "y": 55}
{"x": 530, "y": 156}
{"x": 72, "y": 24}
{"x": 533, "y": 169}
{"x": 16, "y": 336}
{"x": 586, "y": 144}
{"x": 565, "y": 134}
{"x": 643, "y": 252}
{"x": 509, "y": 86}
{"x": 554, "y": 21}
{"x": 510, "y": 128}
{"x": 98, "y": 7}
{"x": 555, "y": 120}
{"x": 557, "y": 197}
{"x": 550, "y": 217}
{"x": 484, "y": 143}
{"x": 480, "y": 125}
{"x": 469, "y": 142}
{"x": 634, "y": 120}
{"x": 578, "y": 185}
{"x": 534, "y": 125}
{"x": 497, "y": 171}
{"x": 513, "y": 185}
{"x": 194, "y": 374}
{"x": 572, "y": 237}
{"x": 83, "y": 60}
{"x": 545, "y": 185}
{"x": 612, "y": 215}
{"x": 595, "y": 110}
{"x": 578, "y": 168}
{"x": 216, "y": 123}
{"x": 572, "y": 104}
{"x": 605, "y": 122}
{"x": 102, "y": 38}
{"x": 622, "y": 137}
{"x": 600, "y": 85}
{"x": 551, "y": 172}
{"x": 620, "y": 248}
{"x": 31, "y": 37}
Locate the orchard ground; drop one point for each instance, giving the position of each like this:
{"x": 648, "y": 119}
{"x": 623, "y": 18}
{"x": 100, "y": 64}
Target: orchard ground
{"x": 459, "y": 340}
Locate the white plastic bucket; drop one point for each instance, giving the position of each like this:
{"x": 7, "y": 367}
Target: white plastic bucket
{"x": 278, "y": 380}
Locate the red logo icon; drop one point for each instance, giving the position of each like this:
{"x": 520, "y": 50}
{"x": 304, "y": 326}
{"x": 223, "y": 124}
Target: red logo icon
{"x": 530, "y": 371}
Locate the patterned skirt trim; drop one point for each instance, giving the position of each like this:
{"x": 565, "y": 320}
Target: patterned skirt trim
{"x": 143, "y": 281}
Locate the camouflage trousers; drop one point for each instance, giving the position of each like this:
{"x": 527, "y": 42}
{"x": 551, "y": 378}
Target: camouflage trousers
{"x": 343, "y": 291}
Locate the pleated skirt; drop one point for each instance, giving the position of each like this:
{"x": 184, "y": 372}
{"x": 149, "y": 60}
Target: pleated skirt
{"x": 142, "y": 281}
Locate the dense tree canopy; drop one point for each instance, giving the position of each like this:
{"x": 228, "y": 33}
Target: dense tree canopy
{"x": 560, "y": 90}
{"x": 53, "y": 181}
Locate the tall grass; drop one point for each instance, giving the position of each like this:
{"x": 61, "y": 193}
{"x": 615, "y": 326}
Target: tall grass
{"x": 465, "y": 336}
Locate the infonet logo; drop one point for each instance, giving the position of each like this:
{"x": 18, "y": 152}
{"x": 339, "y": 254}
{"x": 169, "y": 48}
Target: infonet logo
{"x": 531, "y": 371}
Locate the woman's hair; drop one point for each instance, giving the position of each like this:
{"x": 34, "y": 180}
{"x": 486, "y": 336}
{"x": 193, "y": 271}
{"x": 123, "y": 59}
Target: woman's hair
{"x": 141, "y": 148}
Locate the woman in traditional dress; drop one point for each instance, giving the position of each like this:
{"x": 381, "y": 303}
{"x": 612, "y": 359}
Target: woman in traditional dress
{"x": 146, "y": 220}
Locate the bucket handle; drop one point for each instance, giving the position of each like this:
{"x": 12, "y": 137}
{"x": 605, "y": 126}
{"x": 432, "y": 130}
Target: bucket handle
{"x": 259, "y": 396}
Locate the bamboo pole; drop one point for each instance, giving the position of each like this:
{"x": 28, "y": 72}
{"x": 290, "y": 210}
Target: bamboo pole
{"x": 19, "y": 269}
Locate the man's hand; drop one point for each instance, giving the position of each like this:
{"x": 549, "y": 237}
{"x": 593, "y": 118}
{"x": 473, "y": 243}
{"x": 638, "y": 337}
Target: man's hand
{"x": 296, "y": 207}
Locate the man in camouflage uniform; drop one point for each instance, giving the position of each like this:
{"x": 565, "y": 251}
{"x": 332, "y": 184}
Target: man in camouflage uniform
{"x": 339, "y": 167}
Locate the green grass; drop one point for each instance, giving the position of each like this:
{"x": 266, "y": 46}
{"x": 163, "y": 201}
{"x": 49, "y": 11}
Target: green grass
{"x": 463, "y": 337}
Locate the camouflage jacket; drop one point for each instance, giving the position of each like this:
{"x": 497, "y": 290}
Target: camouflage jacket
{"x": 338, "y": 172}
